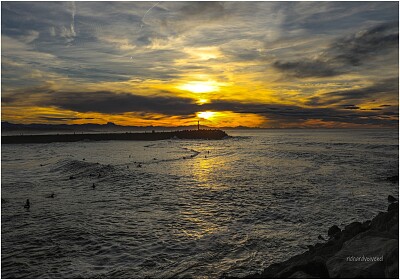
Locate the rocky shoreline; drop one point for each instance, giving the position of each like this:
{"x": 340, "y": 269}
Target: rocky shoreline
{"x": 361, "y": 250}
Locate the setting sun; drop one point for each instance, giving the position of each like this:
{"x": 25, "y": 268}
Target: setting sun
{"x": 205, "y": 115}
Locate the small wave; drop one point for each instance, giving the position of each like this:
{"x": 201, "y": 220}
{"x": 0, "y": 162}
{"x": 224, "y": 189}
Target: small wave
{"x": 82, "y": 168}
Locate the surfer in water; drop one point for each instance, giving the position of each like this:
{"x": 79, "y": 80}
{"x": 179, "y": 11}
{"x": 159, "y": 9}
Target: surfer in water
{"x": 27, "y": 204}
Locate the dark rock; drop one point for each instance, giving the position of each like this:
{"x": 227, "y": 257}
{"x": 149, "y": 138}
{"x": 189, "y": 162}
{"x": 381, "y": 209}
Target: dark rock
{"x": 393, "y": 207}
{"x": 337, "y": 258}
{"x": 354, "y": 260}
{"x": 391, "y": 199}
{"x": 392, "y": 263}
{"x": 383, "y": 222}
{"x": 334, "y": 231}
{"x": 352, "y": 230}
{"x": 366, "y": 225}
{"x": 316, "y": 267}
{"x": 393, "y": 179}
{"x": 301, "y": 275}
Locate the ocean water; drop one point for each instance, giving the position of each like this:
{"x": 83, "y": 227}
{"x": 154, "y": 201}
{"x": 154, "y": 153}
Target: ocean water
{"x": 194, "y": 209}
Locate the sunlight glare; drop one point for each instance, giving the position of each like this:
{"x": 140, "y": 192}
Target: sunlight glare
{"x": 202, "y": 101}
{"x": 200, "y": 87}
{"x": 205, "y": 115}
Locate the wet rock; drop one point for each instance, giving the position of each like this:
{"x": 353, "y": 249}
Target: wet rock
{"x": 352, "y": 230}
{"x": 391, "y": 199}
{"x": 384, "y": 222}
{"x": 334, "y": 231}
{"x": 341, "y": 256}
{"x": 393, "y": 179}
{"x": 316, "y": 267}
{"x": 392, "y": 264}
{"x": 362, "y": 257}
{"x": 366, "y": 225}
{"x": 393, "y": 207}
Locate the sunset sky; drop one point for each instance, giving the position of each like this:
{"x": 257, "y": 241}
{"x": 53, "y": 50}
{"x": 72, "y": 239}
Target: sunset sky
{"x": 257, "y": 64}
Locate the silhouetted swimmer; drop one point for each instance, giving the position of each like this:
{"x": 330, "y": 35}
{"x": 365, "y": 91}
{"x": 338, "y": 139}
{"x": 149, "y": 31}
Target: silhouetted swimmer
{"x": 127, "y": 166}
{"x": 27, "y": 204}
{"x": 99, "y": 175}
{"x": 71, "y": 177}
{"x": 93, "y": 186}
{"x": 51, "y": 196}
{"x": 208, "y": 152}
{"x": 83, "y": 159}
{"x": 139, "y": 165}
{"x": 205, "y": 156}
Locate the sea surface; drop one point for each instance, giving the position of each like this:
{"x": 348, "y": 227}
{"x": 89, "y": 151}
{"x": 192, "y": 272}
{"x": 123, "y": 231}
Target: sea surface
{"x": 194, "y": 209}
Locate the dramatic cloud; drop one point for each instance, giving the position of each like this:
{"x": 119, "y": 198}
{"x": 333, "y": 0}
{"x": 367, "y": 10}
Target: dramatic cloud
{"x": 303, "y": 69}
{"x": 279, "y": 62}
{"x": 121, "y": 103}
{"x": 108, "y": 102}
{"x": 345, "y": 52}
{"x": 366, "y": 44}
{"x": 381, "y": 89}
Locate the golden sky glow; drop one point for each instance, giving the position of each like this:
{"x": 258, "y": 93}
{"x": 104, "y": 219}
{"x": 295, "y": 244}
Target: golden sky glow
{"x": 200, "y": 87}
{"x": 227, "y": 64}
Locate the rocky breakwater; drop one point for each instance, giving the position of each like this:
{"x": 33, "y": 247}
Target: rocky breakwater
{"x": 207, "y": 134}
{"x": 361, "y": 250}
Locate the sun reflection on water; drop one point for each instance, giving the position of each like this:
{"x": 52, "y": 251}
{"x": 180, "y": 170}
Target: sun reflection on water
{"x": 203, "y": 216}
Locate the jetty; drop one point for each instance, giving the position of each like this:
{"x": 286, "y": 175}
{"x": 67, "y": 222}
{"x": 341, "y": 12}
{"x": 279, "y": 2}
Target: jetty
{"x": 208, "y": 134}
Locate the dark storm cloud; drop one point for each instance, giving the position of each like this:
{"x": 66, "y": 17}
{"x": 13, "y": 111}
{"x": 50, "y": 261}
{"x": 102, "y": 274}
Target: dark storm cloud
{"x": 303, "y": 69}
{"x": 113, "y": 103}
{"x": 350, "y": 107}
{"x": 353, "y": 50}
{"x": 317, "y": 17}
{"x": 387, "y": 87}
{"x": 296, "y": 114}
{"x": 345, "y": 52}
{"x": 117, "y": 103}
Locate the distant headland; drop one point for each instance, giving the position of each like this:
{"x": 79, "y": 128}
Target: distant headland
{"x": 15, "y": 129}
{"x": 210, "y": 134}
